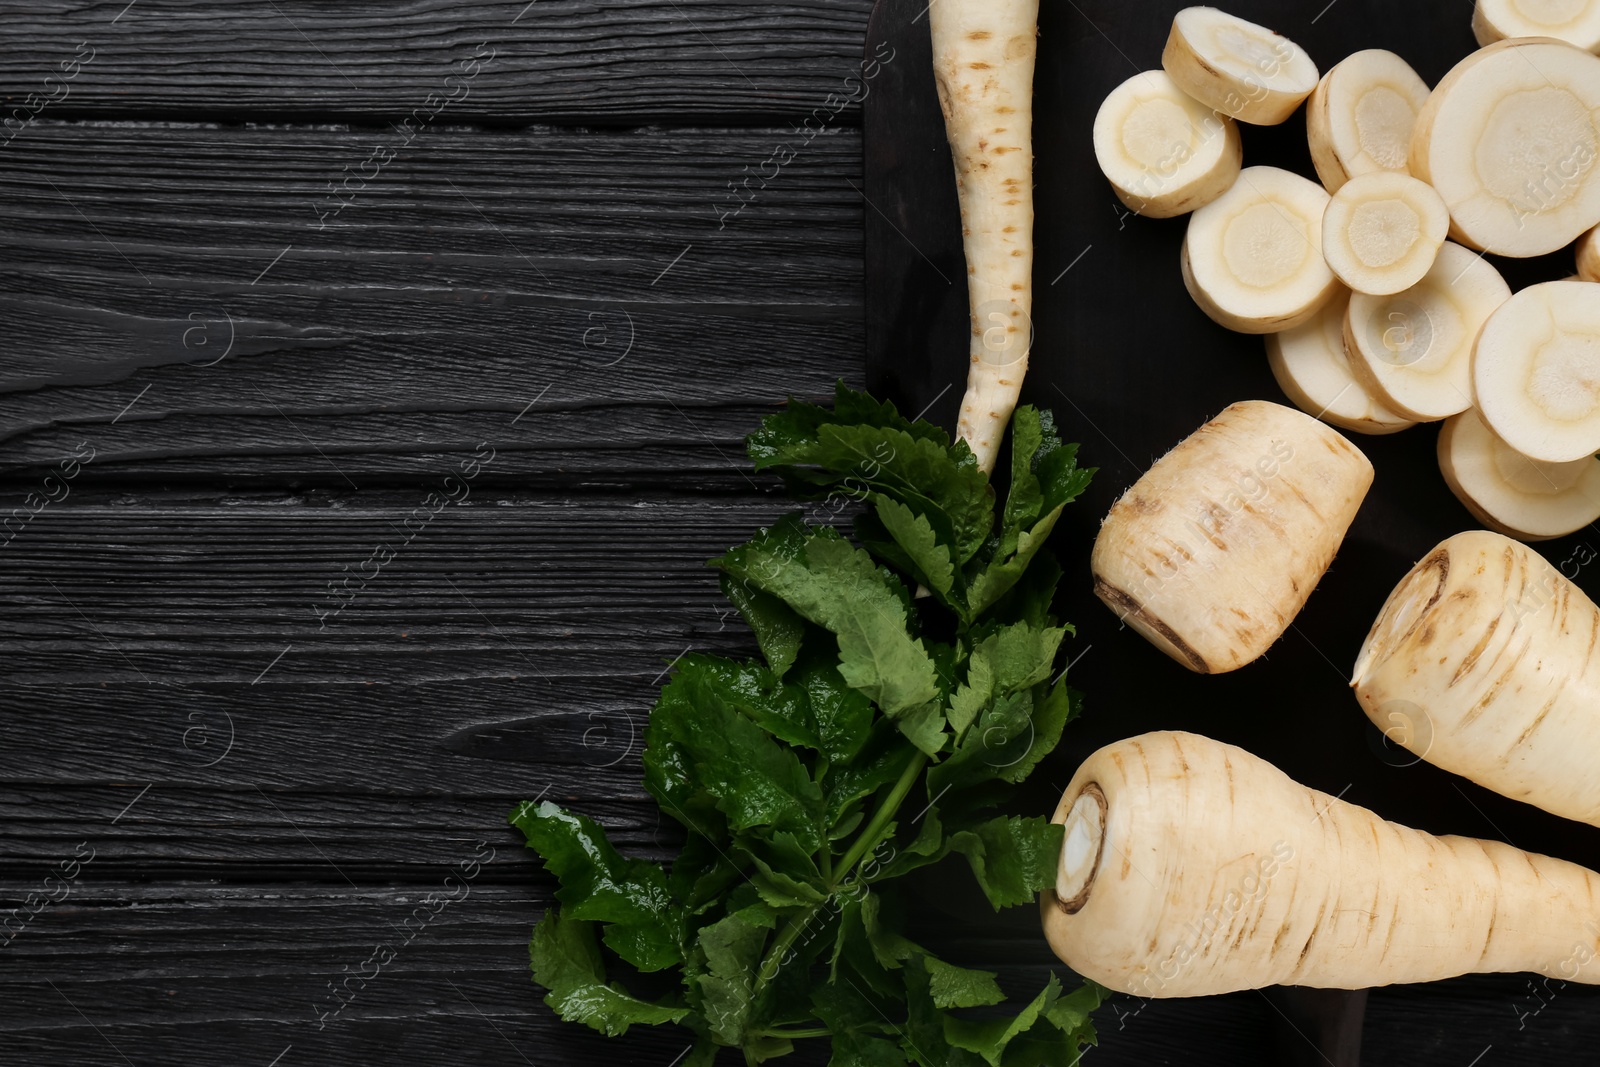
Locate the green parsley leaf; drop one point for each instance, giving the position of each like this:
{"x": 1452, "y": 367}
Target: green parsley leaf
{"x": 597, "y": 884}
{"x": 959, "y": 987}
{"x": 989, "y": 1037}
{"x": 777, "y": 628}
{"x": 1012, "y": 858}
{"x": 566, "y": 961}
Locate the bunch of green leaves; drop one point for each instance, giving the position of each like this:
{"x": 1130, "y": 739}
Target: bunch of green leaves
{"x": 907, "y": 679}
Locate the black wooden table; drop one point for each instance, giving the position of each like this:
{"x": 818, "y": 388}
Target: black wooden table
{"x": 371, "y": 390}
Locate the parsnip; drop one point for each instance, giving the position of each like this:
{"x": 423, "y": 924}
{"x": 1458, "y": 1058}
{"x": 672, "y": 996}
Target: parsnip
{"x": 1310, "y": 366}
{"x": 1536, "y": 371}
{"x": 1494, "y": 651}
{"x": 1575, "y": 21}
{"x": 1191, "y": 867}
{"x": 1508, "y": 138}
{"x": 1413, "y": 349}
{"x": 1252, "y": 259}
{"x": 1236, "y": 67}
{"x": 1212, "y": 553}
{"x": 1164, "y": 152}
{"x": 1589, "y": 256}
{"x": 983, "y": 59}
{"x": 1511, "y": 493}
{"x": 1381, "y": 232}
{"x": 1359, "y": 117}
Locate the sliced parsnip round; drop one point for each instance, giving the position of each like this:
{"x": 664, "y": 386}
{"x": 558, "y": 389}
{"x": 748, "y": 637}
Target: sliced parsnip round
{"x": 1359, "y": 117}
{"x": 1214, "y": 550}
{"x": 1536, "y": 371}
{"x": 1510, "y": 493}
{"x": 1381, "y": 232}
{"x": 1310, "y": 365}
{"x": 1163, "y": 151}
{"x": 1413, "y": 349}
{"x": 1236, "y": 67}
{"x": 1509, "y": 139}
{"x": 1575, "y": 21}
{"x": 1589, "y": 256}
{"x": 1252, "y": 258}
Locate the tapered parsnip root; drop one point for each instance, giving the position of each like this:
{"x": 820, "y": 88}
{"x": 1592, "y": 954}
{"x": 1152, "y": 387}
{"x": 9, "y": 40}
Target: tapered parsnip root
{"x": 1413, "y": 349}
{"x": 1589, "y": 256}
{"x": 1212, "y": 553}
{"x": 1509, "y": 139}
{"x": 1507, "y": 491}
{"x": 1236, "y": 67}
{"x": 1536, "y": 369}
{"x": 1252, "y": 259}
{"x": 1359, "y": 118}
{"x": 983, "y": 59}
{"x": 1576, "y": 22}
{"x": 1164, "y": 152}
{"x": 1494, "y": 652}
{"x": 1381, "y": 232}
{"x": 1217, "y": 872}
{"x": 1311, "y": 368}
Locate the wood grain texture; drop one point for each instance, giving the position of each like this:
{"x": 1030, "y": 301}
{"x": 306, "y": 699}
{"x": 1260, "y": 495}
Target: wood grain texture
{"x": 624, "y": 62}
{"x": 584, "y": 283}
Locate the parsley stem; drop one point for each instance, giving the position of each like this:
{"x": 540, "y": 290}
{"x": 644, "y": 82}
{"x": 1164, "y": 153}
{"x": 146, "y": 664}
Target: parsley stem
{"x": 880, "y": 819}
{"x": 866, "y": 842}
{"x": 795, "y": 1035}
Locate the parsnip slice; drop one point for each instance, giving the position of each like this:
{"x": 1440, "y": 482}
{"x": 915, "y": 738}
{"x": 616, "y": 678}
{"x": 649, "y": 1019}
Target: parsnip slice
{"x": 1212, "y": 553}
{"x": 1163, "y": 151}
{"x": 1509, "y": 139}
{"x": 1381, "y": 232}
{"x": 1311, "y": 368}
{"x": 1536, "y": 371}
{"x": 1589, "y": 256}
{"x": 1236, "y": 67}
{"x": 1413, "y": 349}
{"x": 1252, "y": 258}
{"x": 1360, "y": 115}
{"x": 1510, "y": 493}
{"x": 1575, "y": 21}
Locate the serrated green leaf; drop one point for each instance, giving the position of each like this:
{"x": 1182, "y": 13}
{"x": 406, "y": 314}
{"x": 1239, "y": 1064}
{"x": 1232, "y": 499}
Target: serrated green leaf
{"x": 777, "y": 628}
{"x": 853, "y": 1049}
{"x": 931, "y": 563}
{"x": 961, "y": 987}
{"x": 888, "y": 946}
{"x": 997, "y": 579}
{"x": 923, "y": 1039}
{"x": 840, "y": 588}
{"x": 1012, "y": 858}
{"x": 989, "y": 1037}
{"x": 596, "y": 884}
{"x": 1053, "y": 708}
{"x": 566, "y": 960}
{"x": 843, "y": 716}
{"x": 732, "y": 948}
{"x": 699, "y": 745}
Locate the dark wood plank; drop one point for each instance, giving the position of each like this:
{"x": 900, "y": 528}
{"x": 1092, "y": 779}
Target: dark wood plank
{"x": 623, "y": 62}
{"x": 475, "y": 279}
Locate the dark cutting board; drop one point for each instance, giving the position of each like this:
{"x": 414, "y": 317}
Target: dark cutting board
{"x": 1130, "y": 366}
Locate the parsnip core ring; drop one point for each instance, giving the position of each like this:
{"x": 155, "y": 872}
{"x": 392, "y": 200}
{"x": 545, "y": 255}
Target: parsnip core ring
{"x": 1081, "y": 848}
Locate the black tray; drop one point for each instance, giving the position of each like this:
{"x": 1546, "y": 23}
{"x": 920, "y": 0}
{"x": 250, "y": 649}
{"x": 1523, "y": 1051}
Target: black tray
{"x": 1130, "y": 365}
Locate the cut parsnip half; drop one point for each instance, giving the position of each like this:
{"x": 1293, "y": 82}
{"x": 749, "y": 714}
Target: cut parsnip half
{"x": 1236, "y": 67}
{"x": 1381, "y": 232}
{"x": 1163, "y": 151}
{"x": 1510, "y": 493}
{"x": 1589, "y": 256}
{"x": 1252, "y": 258}
{"x": 1212, "y": 553}
{"x": 1509, "y": 140}
{"x": 1310, "y": 365}
{"x": 1576, "y": 22}
{"x": 1359, "y": 117}
{"x": 1484, "y": 656}
{"x": 1413, "y": 349}
{"x": 1536, "y": 371}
